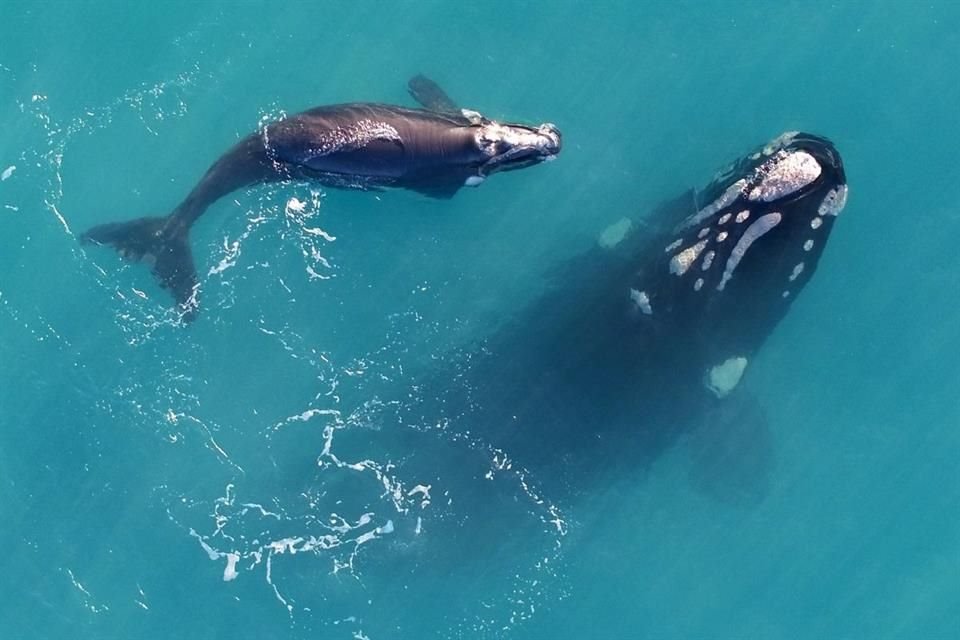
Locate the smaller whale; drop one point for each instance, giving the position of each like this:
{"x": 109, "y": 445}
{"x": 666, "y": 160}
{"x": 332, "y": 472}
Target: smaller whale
{"x": 435, "y": 151}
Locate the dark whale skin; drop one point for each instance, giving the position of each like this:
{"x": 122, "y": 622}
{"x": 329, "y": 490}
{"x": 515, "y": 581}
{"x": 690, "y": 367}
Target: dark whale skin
{"x": 365, "y": 146}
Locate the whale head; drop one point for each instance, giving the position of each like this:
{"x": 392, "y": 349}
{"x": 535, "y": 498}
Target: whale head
{"x": 505, "y": 147}
{"x": 728, "y": 272}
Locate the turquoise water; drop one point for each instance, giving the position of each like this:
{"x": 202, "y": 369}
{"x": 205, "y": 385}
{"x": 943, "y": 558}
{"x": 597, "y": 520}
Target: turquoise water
{"x": 237, "y": 478}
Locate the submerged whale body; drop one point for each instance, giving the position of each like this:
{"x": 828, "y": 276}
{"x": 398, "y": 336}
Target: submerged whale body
{"x": 646, "y": 338}
{"x": 434, "y": 151}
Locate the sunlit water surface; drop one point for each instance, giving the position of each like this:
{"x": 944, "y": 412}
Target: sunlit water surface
{"x": 242, "y": 477}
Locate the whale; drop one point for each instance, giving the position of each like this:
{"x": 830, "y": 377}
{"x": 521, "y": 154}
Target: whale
{"x": 643, "y": 342}
{"x": 435, "y": 150}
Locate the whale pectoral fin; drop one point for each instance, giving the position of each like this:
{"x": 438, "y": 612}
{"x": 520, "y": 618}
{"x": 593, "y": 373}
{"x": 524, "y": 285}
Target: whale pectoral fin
{"x": 634, "y": 236}
{"x": 429, "y": 94}
{"x": 442, "y": 191}
{"x": 732, "y": 454}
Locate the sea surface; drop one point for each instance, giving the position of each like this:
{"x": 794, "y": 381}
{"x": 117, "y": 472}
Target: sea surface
{"x": 234, "y": 478}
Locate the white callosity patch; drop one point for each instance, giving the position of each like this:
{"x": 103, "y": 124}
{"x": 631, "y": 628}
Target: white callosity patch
{"x": 797, "y": 270}
{"x": 698, "y": 284}
{"x": 615, "y": 233}
{"x": 707, "y": 260}
{"x": 703, "y": 233}
{"x": 785, "y": 173}
{"x": 673, "y": 245}
{"x": 491, "y": 136}
{"x": 642, "y": 300}
{"x": 742, "y": 216}
{"x": 762, "y": 225}
{"x": 8, "y": 172}
{"x": 808, "y": 245}
{"x": 834, "y": 202}
{"x": 724, "y": 218}
{"x": 724, "y": 378}
{"x": 729, "y": 196}
{"x": 816, "y": 222}
{"x": 473, "y": 181}
{"x": 785, "y": 294}
{"x": 722, "y": 236}
{"x": 682, "y": 261}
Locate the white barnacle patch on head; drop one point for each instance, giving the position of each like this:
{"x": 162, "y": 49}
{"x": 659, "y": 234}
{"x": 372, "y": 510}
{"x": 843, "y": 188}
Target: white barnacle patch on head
{"x": 726, "y": 198}
{"x": 615, "y": 233}
{"x": 698, "y": 284}
{"x": 816, "y": 222}
{"x": 473, "y": 181}
{"x": 762, "y": 225}
{"x": 724, "y": 378}
{"x": 785, "y": 173}
{"x": 724, "y": 218}
{"x": 785, "y": 295}
{"x": 722, "y": 236}
{"x": 797, "y": 270}
{"x": 742, "y": 216}
{"x": 500, "y": 143}
{"x": 707, "y": 260}
{"x": 673, "y": 245}
{"x": 642, "y": 300}
{"x": 808, "y": 245}
{"x": 682, "y": 261}
{"x": 703, "y": 233}
{"x": 834, "y": 202}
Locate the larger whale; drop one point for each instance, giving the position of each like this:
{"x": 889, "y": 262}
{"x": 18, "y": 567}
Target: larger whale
{"x": 434, "y": 151}
{"x": 645, "y": 340}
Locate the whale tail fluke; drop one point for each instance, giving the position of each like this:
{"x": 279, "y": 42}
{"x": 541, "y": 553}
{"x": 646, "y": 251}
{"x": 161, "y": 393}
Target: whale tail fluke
{"x": 164, "y": 246}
